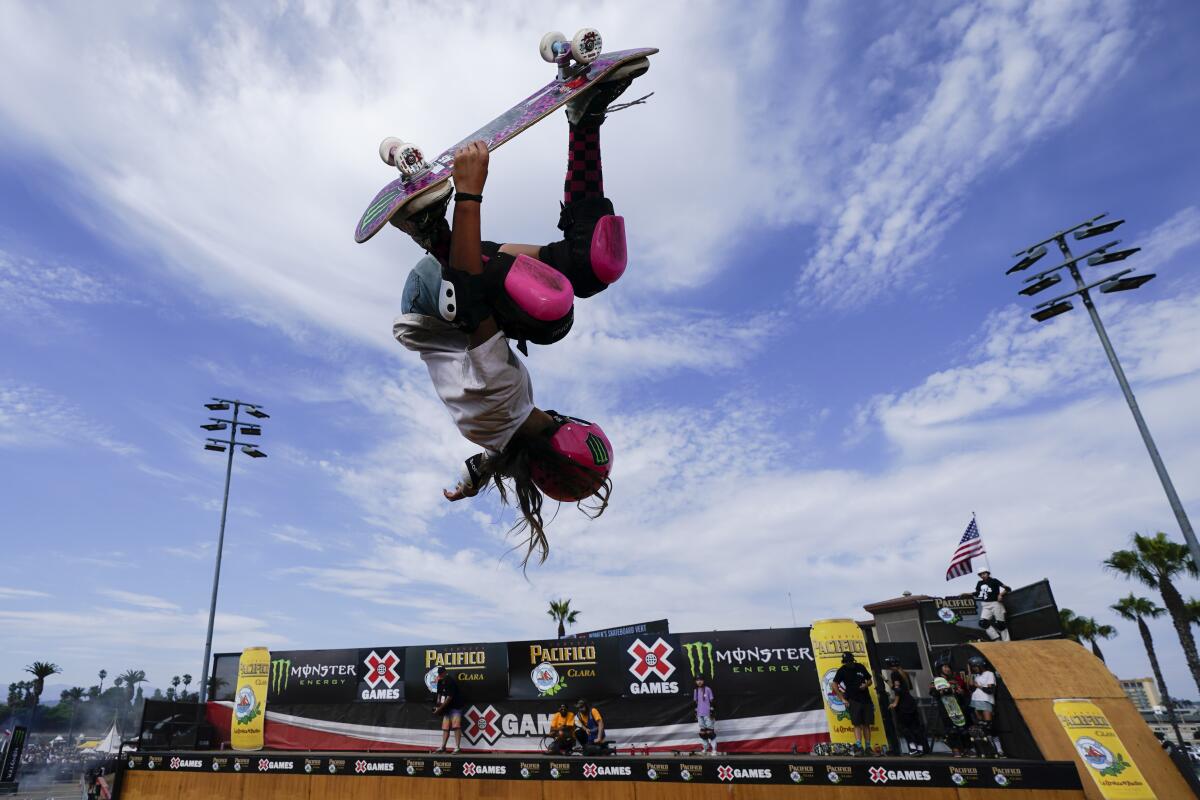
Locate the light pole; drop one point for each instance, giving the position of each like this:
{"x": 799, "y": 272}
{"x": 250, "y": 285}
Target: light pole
{"x": 221, "y": 446}
{"x": 1117, "y": 282}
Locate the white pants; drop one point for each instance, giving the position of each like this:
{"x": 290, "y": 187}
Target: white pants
{"x": 994, "y": 610}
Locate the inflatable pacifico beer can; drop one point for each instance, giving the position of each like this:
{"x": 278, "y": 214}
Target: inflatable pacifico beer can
{"x": 831, "y": 638}
{"x": 1101, "y": 751}
{"x": 250, "y": 700}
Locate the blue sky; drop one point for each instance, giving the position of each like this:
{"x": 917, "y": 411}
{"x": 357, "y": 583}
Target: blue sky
{"x": 813, "y": 371}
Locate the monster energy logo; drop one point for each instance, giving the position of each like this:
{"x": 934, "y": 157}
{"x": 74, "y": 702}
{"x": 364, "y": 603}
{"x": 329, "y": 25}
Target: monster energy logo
{"x": 700, "y": 658}
{"x": 281, "y": 671}
{"x": 599, "y": 451}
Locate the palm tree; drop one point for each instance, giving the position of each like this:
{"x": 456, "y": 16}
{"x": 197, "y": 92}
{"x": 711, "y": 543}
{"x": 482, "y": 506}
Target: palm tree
{"x": 1138, "y": 609}
{"x": 1071, "y": 626}
{"x": 1156, "y": 561}
{"x": 131, "y": 678}
{"x": 1093, "y": 630}
{"x": 560, "y": 611}
{"x": 103, "y": 674}
{"x": 40, "y": 670}
{"x": 187, "y": 681}
{"x": 74, "y": 696}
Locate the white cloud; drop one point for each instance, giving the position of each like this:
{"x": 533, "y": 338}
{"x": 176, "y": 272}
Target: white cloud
{"x": 290, "y": 534}
{"x": 1013, "y": 72}
{"x": 1177, "y": 234}
{"x": 716, "y": 514}
{"x": 29, "y": 286}
{"x": 34, "y": 417}
{"x": 139, "y": 600}
{"x": 12, "y": 593}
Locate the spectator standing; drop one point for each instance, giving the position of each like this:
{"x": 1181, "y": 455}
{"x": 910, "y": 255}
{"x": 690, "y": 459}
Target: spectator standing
{"x": 852, "y": 684}
{"x": 904, "y": 707}
{"x": 449, "y": 708}
{"x": 989, "y": 593}
{"x": 702, "y": 697}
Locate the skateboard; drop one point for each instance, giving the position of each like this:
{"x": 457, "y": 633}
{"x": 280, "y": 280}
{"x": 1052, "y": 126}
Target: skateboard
{"x": 581, "y": 66}
{"x": 950, "y": 704}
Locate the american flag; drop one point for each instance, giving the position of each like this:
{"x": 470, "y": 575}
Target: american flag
{"x": 969, "y": 546}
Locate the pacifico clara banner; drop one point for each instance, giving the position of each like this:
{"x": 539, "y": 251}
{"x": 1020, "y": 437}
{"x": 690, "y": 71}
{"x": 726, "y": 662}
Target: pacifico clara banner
{"x": 1101, "y": 750}
{"x": 831, "y": 638}
{"x": 250, "y": 699}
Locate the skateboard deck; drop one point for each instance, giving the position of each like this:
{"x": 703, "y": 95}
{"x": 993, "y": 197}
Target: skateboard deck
{"x": 954, "y": 710}
{"x": 524, "y": 114}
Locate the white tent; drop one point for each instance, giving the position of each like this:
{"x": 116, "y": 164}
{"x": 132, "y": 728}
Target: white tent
{"x": 111, "y": 743}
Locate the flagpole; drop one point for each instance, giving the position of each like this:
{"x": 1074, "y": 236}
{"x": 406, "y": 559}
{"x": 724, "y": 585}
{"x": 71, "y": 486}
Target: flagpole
{"x": 987, "y": 563}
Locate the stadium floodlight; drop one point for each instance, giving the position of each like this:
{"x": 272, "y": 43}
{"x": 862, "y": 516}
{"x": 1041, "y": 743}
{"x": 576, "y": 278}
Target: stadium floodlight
{"x": 1098, "y": 230}
{"x": 1109, "y": 258}
{"x": 1120, "y": 281}
{"x": 1052, "y": 311}
{"x": 1044, "y": 283}
{"x": 230, "y": 445}
{"x": 1031, "y": 258}
{"x": 1125, "y": 284}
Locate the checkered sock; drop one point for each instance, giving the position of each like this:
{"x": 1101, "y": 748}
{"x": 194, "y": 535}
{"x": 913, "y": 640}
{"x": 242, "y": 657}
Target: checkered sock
{"x": 584, "y": 175}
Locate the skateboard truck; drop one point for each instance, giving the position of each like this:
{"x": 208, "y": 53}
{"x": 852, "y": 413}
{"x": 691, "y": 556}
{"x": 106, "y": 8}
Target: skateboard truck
{"x": 584, "y": 48}
{"x": 404, "y": 156}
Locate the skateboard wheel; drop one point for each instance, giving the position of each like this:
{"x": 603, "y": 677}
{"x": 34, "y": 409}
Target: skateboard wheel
{"x": 409, "y": 159}
{"x": 388, "y": 148}
{"x": 586, "y": 45}
{"x": 546, "y": 48}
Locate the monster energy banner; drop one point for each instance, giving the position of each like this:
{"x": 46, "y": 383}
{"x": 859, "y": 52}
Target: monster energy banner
{"x": 775, "y": 662}
{"x": 481, "y": 669}
{"x": 313, "y": 676}
{"x": 562, "y": 669}
{"x": 12, "y": 755}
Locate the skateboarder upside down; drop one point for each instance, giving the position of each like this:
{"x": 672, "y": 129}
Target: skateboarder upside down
{"x": 465, "y": 301}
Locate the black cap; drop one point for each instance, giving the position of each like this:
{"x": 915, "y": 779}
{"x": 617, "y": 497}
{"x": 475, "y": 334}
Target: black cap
{"x": 441, "y": 671}
{"x": 847, "y": 657}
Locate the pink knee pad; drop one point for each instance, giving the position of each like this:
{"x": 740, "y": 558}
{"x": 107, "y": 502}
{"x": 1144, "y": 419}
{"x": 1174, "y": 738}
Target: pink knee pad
{"x": 539, "y": 289}
{"x": 608, "y": 254}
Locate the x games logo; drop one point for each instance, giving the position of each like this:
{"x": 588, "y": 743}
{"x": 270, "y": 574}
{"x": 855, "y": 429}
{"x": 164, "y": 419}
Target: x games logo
{"x": 651, "y": 660}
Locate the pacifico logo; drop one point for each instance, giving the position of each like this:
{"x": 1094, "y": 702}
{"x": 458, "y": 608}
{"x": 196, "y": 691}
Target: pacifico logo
{"x": 652, "y": 661}
{"x": 382, "y": 677}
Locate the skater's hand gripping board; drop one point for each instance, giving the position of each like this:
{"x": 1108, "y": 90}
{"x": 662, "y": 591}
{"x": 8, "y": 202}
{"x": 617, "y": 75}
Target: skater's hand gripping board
{"x": 521, "y": 116}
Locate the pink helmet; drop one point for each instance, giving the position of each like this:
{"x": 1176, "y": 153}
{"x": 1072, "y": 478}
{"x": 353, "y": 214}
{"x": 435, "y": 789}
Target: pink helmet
{"x": 589, "y": 452}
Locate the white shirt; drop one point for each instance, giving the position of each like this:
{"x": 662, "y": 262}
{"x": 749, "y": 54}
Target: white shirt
{"x": 985, "y": 678}
{"x": 486, "y": 388}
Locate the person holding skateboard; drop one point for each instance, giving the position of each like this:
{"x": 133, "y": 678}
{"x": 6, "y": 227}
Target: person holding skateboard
{"x": 951, "y": 691}
{"x": 468, "y": 298}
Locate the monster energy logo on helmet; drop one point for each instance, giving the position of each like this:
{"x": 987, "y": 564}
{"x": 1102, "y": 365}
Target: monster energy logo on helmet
{"x": 700, "y": 658}
{"x": 281, "y": 672}
{"x": 599, "y": 451}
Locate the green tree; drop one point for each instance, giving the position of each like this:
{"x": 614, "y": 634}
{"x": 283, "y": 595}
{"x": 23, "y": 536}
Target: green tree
{"x": 103, "y": 674}
{"x": 1139, "y": 609}
{"x": 560, "y": 611}
{"x": 1156, "y": 562}
{"x": 131, "y": 678}
{"x": 40, "y": 670}
{"x": 74, "y": 697}
{"x": 187, "y": 681}
{"x": 1093, "y": 630}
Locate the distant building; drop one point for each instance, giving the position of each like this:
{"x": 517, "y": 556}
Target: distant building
{"x": 1143, "y": 692}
